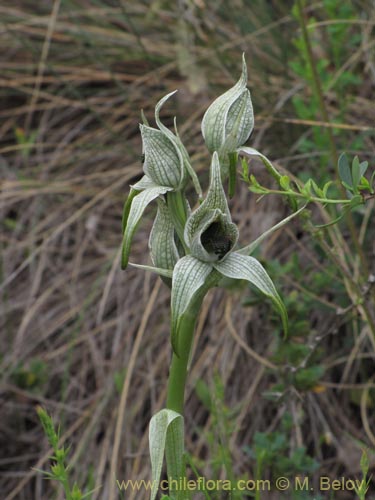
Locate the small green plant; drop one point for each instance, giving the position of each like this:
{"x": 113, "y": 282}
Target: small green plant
{"x": 364, "y": 483}
{"x": 60, "y": 468}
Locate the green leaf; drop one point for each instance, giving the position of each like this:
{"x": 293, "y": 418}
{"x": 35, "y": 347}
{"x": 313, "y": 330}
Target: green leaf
{"x": 189, "y": 277}
{"x": 285, "y": 182}
{"x": 266, "y": 162}
{"x": 165, "y": 425}
{"x": 316, "y": 188}
{"x": 356, "y": 174}
{"x": 344, "y": 170}
{"x": 138, "y": 206}
{"x": 364, "y": 184}
{"x": 238, "y": 266}
{"x": 325, "y": 188}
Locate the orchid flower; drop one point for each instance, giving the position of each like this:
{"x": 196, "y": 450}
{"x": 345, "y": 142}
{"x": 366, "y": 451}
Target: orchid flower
{"x": 166, "y": 167}
{"x": 211, "y": 237}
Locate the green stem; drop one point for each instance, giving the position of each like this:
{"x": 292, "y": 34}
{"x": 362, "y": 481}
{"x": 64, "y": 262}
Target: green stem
{"x": 176, "y": 385}
{"x": 179, "y": 366}
{"x": 178, "y": 210}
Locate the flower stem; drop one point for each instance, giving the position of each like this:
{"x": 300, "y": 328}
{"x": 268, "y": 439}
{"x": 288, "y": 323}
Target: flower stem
{"x": 178, "y": 211}
{"x": 176, "y": 392}
{"x": 179, "y": 366}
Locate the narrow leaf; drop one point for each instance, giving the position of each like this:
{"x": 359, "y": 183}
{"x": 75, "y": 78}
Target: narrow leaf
{"x": 238, "y": 266}
{"x": 344, "y": 170}
{"x": 356, "y": 171}
{"x": 267, "y": 163}
{"x": 166, "y": 424}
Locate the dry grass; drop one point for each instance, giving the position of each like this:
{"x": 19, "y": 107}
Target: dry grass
{"x": 74, "y": 76}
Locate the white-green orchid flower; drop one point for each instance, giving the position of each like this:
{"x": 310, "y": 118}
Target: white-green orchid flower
{"x": 211, "y": 236}
{"x": 166, "y": 167}
{"x": 229, "y": 121}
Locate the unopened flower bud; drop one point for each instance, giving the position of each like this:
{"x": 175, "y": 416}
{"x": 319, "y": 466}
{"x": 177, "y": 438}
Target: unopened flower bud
{"x": 229, "y": 121}
{"x": 163, "y": 162}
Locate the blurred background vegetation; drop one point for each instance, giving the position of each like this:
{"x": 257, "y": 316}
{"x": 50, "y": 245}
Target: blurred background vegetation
{"x": 90, "y": 342}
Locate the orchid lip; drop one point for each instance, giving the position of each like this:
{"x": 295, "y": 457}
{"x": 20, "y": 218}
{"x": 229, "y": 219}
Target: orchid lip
{"x": 215, "y": 241}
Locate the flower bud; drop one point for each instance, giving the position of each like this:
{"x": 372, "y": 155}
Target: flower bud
{"x": 229, "y": 121}
{"x": 163, "y": 162}
{"x": 166, "y": 161}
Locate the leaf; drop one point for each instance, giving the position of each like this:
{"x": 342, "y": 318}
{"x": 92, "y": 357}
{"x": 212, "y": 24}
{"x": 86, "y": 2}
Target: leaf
{"x": 344, "y": 170}
{"x": 285, "y": 182}
{"x": 356, "y": 175}
{"x": 138, "y": 206}
{"x": 325, "y": 188}
{"x": 267, "y": 163}
{"x": 362, "y": 168}
{"x": 166, "y": 424}
{"x": 238, "y": 266}
{"x": 189, "y": 276}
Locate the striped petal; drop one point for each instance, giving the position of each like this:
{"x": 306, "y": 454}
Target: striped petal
{"x": 138, "y": 206}
{"x": 229, "y": 121}
{"x": 239, "y": 266}
{"x": 189, "y": 279}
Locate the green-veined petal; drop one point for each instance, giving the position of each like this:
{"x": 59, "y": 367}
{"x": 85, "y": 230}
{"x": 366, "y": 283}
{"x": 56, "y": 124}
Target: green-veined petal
{"x": 189, "y": 277}
{"x": 177, "y": 142}
{"x": 162, "y": 243}
{"x": 230, "y": 116}
{"x": 215, "y": 199}
{"x": 138, "y": 206}
{"x": 163, "y": 160}
{"x": 239, "y": 266}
